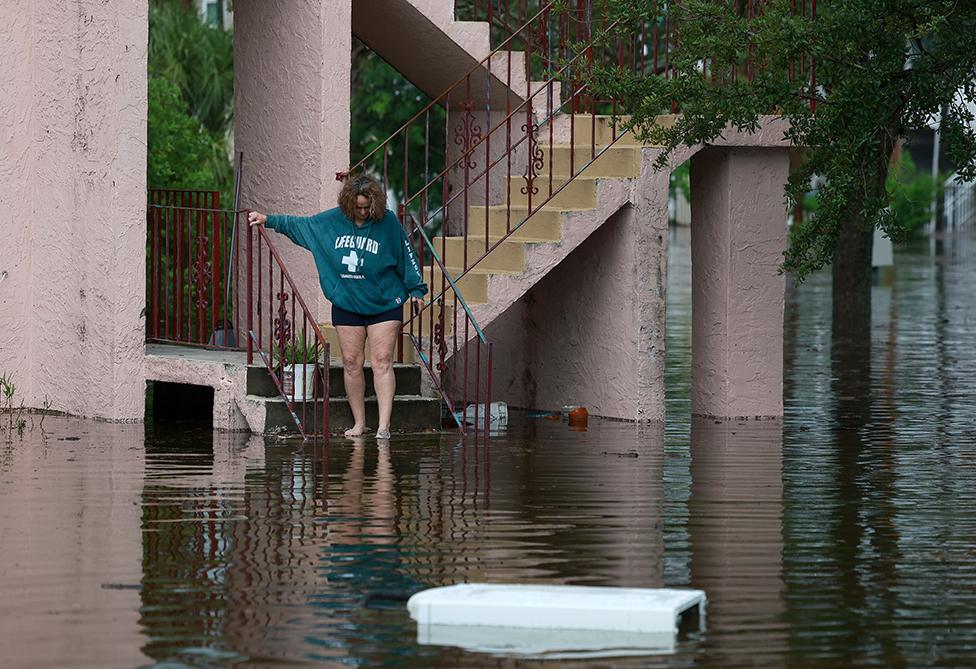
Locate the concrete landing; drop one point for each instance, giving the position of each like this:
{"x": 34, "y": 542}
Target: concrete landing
{"x": 246, "y": 398}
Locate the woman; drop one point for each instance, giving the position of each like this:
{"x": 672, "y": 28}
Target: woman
{"x": 367, "y": 269}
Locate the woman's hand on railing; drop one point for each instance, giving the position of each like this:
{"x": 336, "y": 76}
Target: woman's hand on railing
{"x": 417, "y": 303}
{"x": 255, "y": 218}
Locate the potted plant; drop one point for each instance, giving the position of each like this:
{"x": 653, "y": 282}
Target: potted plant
{"x": 297, "y": 359}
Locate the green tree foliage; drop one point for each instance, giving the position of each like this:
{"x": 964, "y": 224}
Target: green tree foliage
{"x": 910, "y": 196}
{"x": 382, "y": 102}
{"x": 882, "y": 68}
{"x": 180, "y": 149}
{"x": 197, "y": 62}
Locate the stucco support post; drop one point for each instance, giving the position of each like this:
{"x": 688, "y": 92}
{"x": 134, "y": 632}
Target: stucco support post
{"x": 73, "y": 193}
{"x": 292, "y": 61}
{"x": 738, "y": 234}
{"x": 649, "y": 288}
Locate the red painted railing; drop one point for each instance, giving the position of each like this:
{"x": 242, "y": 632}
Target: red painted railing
{"x": 190, "y": 290}
{"x": 504, "y": 16}
{"x": 487, "y": 145}
{"x": 285, "y": 334}
{"x": 452, "y": 347}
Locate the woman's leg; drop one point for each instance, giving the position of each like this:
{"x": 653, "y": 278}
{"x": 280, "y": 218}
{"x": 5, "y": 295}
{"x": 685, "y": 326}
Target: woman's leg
{"x": 352, "y": 342}
{"x": 382, "y": 338}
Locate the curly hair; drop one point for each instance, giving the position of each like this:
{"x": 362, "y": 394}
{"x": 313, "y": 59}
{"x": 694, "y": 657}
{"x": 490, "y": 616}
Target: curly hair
{"x": 362, "y": 185}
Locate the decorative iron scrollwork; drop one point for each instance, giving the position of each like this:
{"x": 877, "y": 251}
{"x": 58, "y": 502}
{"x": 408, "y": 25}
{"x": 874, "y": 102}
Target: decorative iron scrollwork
{"x": 439, "y": 337}
{"x": 202, "y": 272}
{"x": 467, "y": 134}
{"x": 536, "y": 160}
{"x": 282, "y": 324}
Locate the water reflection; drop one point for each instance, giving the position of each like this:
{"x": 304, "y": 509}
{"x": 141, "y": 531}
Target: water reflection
{"x": 736, "y": 537}
{"x": 69, "y": 545}
{"x": 291, "y": 554}
{"x": 842, "y": 536}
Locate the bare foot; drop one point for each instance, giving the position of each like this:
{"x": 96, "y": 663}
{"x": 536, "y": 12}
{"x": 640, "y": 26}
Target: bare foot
{"x": 355, "y": 431}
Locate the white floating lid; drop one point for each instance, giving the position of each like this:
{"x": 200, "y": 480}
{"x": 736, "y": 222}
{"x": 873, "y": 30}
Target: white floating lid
{"x": 560, "y": 607}
{"x": 546, "y": 644}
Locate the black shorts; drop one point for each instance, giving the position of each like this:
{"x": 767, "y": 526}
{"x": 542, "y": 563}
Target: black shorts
{"x": 342, "y": 317}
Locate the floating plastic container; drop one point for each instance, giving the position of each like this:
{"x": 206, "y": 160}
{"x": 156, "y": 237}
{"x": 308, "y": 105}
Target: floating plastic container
{"x": 557, "y": 607}
{"x": 497, "y": 414}
{"x": 578, "y": 417}
{"x": 546, "y": 644}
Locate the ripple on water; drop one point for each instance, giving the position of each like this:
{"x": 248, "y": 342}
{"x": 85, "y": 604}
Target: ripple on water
{"x": 840, "y": 536}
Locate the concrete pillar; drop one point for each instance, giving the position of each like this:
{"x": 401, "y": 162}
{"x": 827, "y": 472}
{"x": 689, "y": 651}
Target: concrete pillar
{"x": 292, "y": 64}
{"x": 73, "y": 193}
{"x": 738, "y": 234}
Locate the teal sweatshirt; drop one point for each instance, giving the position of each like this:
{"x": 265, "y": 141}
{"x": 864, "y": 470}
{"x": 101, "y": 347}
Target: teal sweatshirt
{"x": 366, "y": 270}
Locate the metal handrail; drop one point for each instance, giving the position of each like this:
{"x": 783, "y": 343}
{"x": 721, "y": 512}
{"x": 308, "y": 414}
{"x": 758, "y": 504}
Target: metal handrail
{"x": 439, "y": 335}
{"x": 283, "y": 333}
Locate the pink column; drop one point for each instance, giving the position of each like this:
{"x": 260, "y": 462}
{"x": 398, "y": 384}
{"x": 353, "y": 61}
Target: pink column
{"x": 738, "y": 234}
{"x": 73, "y": 192}
{"x": 292, "y": 67}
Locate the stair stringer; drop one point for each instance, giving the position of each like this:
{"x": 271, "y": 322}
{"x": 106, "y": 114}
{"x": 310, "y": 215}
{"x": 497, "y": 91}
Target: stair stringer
{"x": 642, "y": 396}
{"x": 647, "y": 192}
{"x": 422, "y": 39}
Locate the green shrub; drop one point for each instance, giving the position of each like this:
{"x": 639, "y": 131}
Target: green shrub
{"x": 179, "y": 147}
{"x": 196, "y": 62}
{"x": 297, "y": 352}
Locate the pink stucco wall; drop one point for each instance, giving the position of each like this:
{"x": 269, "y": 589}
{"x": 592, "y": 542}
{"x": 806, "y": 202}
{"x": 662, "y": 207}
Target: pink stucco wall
{"x": 575, "y": 337}
{"x": 586, "y": 325}
{"x": 738, "y": 235}
{"x": 72, "y": 186}
{"x": 292, "y": 62}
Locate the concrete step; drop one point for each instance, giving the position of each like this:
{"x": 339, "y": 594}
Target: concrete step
{"x": 580, "y": 193}
{"x": 507, "y": 258}
{"x": 411, "y": 413}
{"x": 617, "y": 161}
{"x": 544, "y": 226}
{"x": 473, "y": 287}
{"x": 584, "y": 129}
{"x": 260, "y": 384}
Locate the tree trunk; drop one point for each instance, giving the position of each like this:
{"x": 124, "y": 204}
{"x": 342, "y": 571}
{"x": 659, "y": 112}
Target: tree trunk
{"x": 851, "y": 268}
{"x": 851, "y": 271}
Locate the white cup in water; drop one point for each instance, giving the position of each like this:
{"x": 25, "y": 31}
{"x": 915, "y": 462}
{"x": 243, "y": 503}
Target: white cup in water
{"x": 497, "y": 413}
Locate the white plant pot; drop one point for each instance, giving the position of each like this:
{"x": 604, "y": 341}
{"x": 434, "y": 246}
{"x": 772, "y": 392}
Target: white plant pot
{"x": 302, "y": 378}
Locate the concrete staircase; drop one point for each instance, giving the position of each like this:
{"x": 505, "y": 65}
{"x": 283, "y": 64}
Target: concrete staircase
{"x": 267, "y": 412}
{"x": 553, "y": 231}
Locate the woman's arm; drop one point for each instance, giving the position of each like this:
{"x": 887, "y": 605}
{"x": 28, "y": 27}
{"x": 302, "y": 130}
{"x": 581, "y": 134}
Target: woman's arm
{"x": 296, "y": 228}
{"x": 409, "y": 268}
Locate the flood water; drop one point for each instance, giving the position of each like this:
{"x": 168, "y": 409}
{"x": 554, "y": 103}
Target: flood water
{"x": 843, "y": 535}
